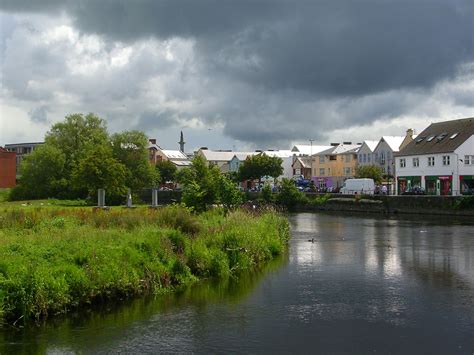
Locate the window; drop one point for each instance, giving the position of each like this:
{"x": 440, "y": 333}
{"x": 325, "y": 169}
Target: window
{"x": 402, "y": 163}
{"x": 321, "y": 159}
{"x": 416, "y": 162}
{"x": 466, "y": 160}
{"x": 441, "y": 136}
{"x": 419, "y": 140}
{"x": 321, "y": 171}
{"x": 347, "y": 171}
{"x": 376, "y": 157}
{"x": 332, "y": 157}
{"x": 382, "y": 158}
{"x": 365, "y": 158}
{"x": 431, "y": 161}
{"x": 368, "y": 157}
{"x": 446, "y": 160}
{"x": 454, "y": 135}
{"x": 348, "y": 158}
{"x": 430, "y": 138}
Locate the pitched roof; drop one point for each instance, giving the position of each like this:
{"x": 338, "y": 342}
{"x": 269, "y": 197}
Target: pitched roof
{"x": 174, "y": 154}
{"x": 243, "y": 155}
{"x": 304, "y": 161}
{"x": 370, "y": 144}
{"x": 307, "y": 149}
{"x": 440, "y": 137}
{"x": 279, "y": 153}
{"x": 341, "y": 149}
{"x": 393, "y": 142}
{"x": 216, "y": 155}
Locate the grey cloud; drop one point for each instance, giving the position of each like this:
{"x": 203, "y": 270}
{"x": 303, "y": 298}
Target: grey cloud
{"x": 157, "y": 119}
{"x": 39, "y": 114}
{"x": 329, "y": 48}
{"x": 270, "y": 71}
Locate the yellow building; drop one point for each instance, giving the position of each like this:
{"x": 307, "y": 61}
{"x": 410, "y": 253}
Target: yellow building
{"x": 331, "y": 167}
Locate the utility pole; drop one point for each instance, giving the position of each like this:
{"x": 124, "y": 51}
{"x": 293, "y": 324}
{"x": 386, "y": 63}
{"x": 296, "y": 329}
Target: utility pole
{"x": 311, "y": 156}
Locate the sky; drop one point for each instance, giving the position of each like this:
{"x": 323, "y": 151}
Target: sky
{"x": 236, "y": 74}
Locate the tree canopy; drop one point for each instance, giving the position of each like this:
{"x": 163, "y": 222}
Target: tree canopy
{"x": 79, "y": 156}
{"x": 257, "y": 166}
{"x": 167, "y": 171}
{"x": 369, "y": 171}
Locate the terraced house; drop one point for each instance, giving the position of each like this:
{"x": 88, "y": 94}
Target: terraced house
{"x": 440, "y": 159}
{"x": 333, "y": 166}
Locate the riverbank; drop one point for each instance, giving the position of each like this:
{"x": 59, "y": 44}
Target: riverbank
{"x": 460, "y": 206}
{"x": 57, "y": 259}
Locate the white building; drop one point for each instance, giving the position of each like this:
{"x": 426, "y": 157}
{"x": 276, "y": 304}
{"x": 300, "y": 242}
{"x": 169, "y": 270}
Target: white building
{"x": 440, "y": 159}
{"x": 366, "y": 153}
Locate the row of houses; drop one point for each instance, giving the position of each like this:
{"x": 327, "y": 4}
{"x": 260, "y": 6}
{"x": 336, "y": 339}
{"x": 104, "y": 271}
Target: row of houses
{"x": 439, "y": 160}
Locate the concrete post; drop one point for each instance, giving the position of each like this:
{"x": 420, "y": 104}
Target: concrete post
{"x": 101, "y": 198}
{"x": 154, "y": 198}
{"x": 129, "y": 198}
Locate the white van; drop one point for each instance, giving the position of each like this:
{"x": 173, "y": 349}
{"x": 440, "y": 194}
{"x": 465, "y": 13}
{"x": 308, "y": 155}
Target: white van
{"x": 358, "y": 186}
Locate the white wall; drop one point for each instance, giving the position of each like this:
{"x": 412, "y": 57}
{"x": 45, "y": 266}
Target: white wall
{"x": 455, "y": 168}
{"x": 369, "y": 160}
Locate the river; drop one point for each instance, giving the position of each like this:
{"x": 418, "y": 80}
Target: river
{"x": 364, "y": 285}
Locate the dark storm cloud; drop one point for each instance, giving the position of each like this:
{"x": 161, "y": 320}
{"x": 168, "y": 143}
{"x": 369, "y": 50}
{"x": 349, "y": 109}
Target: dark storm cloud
{"x": 157, "y": 119}
{"x": 275, "y": 71}
{"x": 328, "y": 47}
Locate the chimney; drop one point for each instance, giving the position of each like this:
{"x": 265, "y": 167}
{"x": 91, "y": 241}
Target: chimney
{"x": 410, "y": 132}
{"x": 203, "y": 148}
{"x": 152, "y": 140}
{"x": 334, "y": 144}
{"x": 346, "y": 142}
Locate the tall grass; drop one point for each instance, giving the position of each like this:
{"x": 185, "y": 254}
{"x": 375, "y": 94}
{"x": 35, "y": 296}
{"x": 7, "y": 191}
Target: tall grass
{"x": 52, "y": 259}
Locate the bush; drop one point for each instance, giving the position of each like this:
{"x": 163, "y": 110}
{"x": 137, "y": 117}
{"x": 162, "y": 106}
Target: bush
{"x": 289, "y": 196}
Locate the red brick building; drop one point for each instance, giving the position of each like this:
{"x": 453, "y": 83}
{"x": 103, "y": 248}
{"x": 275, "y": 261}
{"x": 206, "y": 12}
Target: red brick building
{"x": 7, "y": 168}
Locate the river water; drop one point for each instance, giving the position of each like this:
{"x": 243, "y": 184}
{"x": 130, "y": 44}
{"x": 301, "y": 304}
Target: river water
{"x": 365, "y": 285}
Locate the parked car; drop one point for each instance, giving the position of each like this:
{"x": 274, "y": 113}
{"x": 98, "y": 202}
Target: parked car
{"x": 414, "y": 191}
{"x": 468, "y": 191}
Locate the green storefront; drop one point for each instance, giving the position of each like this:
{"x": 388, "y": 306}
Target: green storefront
{"x": 439, "y": 185}
{"x": 405, "y": 183}
{"x": 466, "y": 183}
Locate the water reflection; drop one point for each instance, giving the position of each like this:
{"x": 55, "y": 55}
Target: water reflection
{"x": 364, "y": 285}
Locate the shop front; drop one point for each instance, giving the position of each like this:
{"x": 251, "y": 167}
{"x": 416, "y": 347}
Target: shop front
{"x": 439, "y": 185}
{"x": 406, "y": 183}
{"x": 467, "y": 184}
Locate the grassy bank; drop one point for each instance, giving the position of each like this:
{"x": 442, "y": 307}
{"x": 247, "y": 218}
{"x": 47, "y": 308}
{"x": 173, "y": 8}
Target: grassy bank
{"x": 55, "y": 259}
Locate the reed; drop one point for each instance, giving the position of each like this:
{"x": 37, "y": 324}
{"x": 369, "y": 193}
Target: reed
{"x": 56, "y": 259}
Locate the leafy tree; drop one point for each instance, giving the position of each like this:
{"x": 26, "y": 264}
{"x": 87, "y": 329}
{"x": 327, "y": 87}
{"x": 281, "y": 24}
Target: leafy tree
{"x": 167, "y": 171}
{"x": 131, "y": 149}
{"x": 199, "y": 184}
{"x": 75, "y": 133}
{"x": 229, "y": 195}
{"x": 369, "y": 171}
{"x": 267, "y": 194}
{"x": 42, "y": 174}
{"x": 99, "y": 169}
{"x": 257, "y": 166}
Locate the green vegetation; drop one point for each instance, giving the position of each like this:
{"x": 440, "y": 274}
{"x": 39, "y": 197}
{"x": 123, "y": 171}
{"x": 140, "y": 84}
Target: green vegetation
{"x": 371, "y": 172}
{"x": 56, "y": 259}
{"x": 79, "y": 157}
{"x": 167, "y": 171}
{"x": 257, "y": 166}
{"x": 204, "y": 186}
